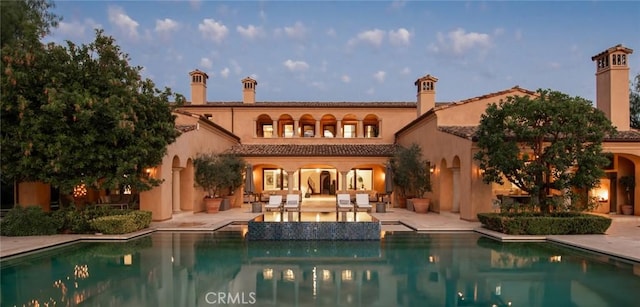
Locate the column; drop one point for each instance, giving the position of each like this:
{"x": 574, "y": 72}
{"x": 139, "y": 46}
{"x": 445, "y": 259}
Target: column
{"x": 175, "y": 188}
{"x": 343, "y": 180}
{"x": 296, "y": 124}
{"x": 275, "y": 129}
{"x": 339, "y": 128}
{"x": 456, "y": 190}
{"x": 317, "y": 129}
{"x": 290, "y": 180}
{"x": 360, "y": 129}
{"x": 255, "y": 129}
{"x": 379, "y": 128}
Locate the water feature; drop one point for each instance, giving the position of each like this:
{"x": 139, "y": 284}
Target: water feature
{"x": 401, "y": 269}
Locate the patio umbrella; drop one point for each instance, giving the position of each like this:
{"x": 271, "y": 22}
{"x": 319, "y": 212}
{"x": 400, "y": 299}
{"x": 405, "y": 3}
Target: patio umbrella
{"x": 249, "y": 187}
{"x": 388, "y": 180}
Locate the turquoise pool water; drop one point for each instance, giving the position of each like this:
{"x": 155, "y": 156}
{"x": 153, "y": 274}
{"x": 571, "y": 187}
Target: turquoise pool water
{"x": 403, "y": 269}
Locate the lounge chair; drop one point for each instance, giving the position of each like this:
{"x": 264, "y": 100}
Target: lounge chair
{"x": 362, "y": 202}
{"x": 343, "y": 202}
{"x": 275, "y": 203}
{"x": 292, "y": 203}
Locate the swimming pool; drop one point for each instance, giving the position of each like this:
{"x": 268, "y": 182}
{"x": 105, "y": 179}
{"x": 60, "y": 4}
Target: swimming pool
{"x": 402, "y": 269}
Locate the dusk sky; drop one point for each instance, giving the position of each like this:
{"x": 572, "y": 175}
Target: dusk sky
{"x": 361, "y": 50}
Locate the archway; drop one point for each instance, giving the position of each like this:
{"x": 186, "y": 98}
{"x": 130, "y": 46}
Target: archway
{"x": 446, "y": 186}
{"x": 455, "y": 185}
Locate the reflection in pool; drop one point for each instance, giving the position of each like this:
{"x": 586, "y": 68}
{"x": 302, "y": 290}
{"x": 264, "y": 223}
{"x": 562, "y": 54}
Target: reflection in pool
{"x": 403, "y": 269}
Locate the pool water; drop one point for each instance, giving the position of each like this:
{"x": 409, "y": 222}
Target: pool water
{"x": 403, "y": 269}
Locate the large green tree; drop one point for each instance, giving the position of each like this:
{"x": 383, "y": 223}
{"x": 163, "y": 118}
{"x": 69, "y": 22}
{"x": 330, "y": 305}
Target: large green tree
{"x": 81, "y": 114}
{"x": 634, "y": 103}
{"x": 26, "y": 21}
{"x": 548, "y": 141}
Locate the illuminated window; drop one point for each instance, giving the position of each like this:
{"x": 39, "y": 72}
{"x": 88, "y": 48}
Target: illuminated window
{"x": 288, "y": 130}
{"x": 267, "y": 130}
{"x": 349, "y": 131}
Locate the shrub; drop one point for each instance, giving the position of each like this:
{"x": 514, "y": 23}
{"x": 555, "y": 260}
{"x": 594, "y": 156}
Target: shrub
{"x": 545, "y": 224}
{"x": 121, "y": 223}
{"x": 28, "y": 221}
{"x": 141, "y": 218}
{"x": 114, "y": 224}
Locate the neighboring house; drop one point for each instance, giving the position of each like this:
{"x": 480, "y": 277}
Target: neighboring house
{"x": 323, "y": 147}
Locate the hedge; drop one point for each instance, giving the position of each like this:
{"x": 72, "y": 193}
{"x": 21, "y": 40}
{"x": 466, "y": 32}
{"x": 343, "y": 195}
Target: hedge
{"x": 32, "y": 220}
{"x": 124, "y": 223}
{"x": 545, "y": 224}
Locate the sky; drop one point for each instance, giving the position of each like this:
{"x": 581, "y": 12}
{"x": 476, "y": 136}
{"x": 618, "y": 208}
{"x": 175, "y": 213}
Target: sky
{"x": 360, "y": 51}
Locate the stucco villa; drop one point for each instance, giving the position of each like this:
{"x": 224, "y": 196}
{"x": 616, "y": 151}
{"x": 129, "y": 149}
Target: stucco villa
{"x": 317, "y": 148}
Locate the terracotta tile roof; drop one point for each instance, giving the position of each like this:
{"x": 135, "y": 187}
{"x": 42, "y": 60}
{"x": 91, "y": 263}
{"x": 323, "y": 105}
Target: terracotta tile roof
{"x": 185, "y": 128}
{"x": 490, "y": 95}
{"x": 625, "y": 136}
{"x": 468, "y": 132}
{"x": 311, "y": 104}
{"x": 323, "y": 150}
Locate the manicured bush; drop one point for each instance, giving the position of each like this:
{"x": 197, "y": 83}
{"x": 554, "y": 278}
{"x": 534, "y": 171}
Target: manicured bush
{"x": 545, "y": 224}
{"x": 28, "y": 221}
{"x": 122, "y": 223}
{"x": 114, "y": 224}
{"x": 141, "y": 218}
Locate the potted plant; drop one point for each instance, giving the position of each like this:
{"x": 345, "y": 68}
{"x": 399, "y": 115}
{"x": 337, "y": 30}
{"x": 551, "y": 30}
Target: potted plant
{"x": 628, "y": 183}
{"x": 411, "y": 176}
{"x": 218, "y": 175}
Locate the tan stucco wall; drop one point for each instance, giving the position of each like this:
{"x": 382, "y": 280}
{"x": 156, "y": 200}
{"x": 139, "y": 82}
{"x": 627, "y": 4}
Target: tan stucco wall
{"x": 34, "y": 194}
{"x": 240, "y": 121}
{"x": 468, "y": 113}
{"x": 449, "y": 152}
{"x": 202, "y": 140}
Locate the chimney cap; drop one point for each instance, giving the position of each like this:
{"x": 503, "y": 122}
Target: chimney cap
{"x": 426, "y": 77}
{"x": 618, "y": 47}
{"x": 249, "y": 79}
{"x": 199, "y": 72}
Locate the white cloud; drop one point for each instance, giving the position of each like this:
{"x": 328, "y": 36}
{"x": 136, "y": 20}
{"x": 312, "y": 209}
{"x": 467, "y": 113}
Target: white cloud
{"x": 225, "y": 72}
{"x": 379, "y": 76}
{"x": 331, "y": 32}
{"x": 405, "y": 71}
{"x": 166, "y": 25}
{"x": 459, "y": 42}
{"x": 400, "y": 37}
{"x": 213, "y": 30}
{"x": 250, "y": 32}
{"x": 121, "y": 20}
{"x": 295, "y": 65}
{"x": 206, "y": 63}
{"x": 345, "y": 78}
{"x": 76, "y": 29}
{"x": 373, "y": 37}
{"x": 297, "y": 31}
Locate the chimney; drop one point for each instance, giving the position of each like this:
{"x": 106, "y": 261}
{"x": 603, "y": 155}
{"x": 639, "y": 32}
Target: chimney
{"x": 426, "y": 94}
{"x": 612, "y": 85}
{"x": 198, "y": 87}
{"x": 249, "y": 90}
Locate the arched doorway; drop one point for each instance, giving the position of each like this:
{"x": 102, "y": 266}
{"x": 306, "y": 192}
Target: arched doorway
{"x": 325, "y": 183}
